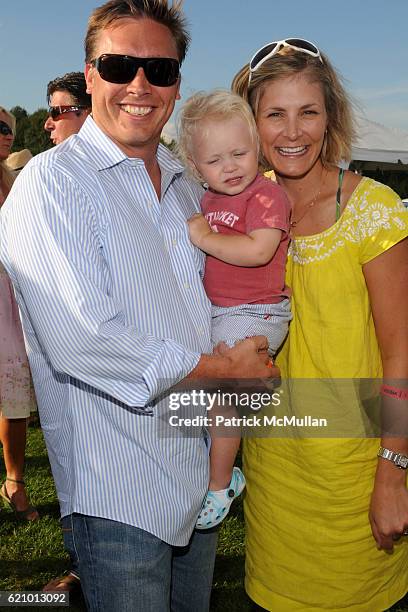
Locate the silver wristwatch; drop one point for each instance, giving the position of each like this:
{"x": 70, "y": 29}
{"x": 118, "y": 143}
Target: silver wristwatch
{"x": 398, "y": 459}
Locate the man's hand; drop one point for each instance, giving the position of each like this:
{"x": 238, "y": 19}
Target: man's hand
{"x": 198, "y": 228}
{"x": 247, "y": 359}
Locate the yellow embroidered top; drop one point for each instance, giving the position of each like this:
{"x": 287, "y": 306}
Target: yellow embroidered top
{"x": 332, "y": 333}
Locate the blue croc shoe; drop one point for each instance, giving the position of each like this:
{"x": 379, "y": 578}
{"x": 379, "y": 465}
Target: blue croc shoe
{"x": 217, "y": 504}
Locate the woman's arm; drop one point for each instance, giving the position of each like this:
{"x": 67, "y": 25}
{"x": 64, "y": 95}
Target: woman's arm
{"x": 387, "y": 281}
{"x": 254, "y": 249}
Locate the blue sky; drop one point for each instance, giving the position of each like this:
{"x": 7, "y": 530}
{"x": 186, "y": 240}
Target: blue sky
{"x": 367, "y": 40}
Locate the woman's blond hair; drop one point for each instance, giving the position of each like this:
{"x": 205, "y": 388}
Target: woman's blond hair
{"x": 216, "y": 105}
{"x": 6, "y": 176}
{"x": 289, "y": 63}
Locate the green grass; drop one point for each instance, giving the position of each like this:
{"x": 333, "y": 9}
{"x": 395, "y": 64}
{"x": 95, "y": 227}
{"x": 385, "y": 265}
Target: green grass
{"x": 32, "y": 553}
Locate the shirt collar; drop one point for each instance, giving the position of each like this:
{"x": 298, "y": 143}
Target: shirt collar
{"x": 106, "y": 154}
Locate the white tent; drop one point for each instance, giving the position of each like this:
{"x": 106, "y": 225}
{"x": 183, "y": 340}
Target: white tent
{"x": 377, "y": 143}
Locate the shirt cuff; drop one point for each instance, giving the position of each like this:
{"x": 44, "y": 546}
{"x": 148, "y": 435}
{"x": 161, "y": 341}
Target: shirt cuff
{"x": 172, "y": 364}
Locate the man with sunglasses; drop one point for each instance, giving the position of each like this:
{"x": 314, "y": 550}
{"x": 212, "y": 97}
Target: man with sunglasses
{"x": 115, "y": 314}
{"x": 69, "y": 105}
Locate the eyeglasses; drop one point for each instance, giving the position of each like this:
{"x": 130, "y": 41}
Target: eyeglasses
{"x": 272, "y": 48}
{"x": 121, "y": 69}
{"x": 55, "y": 112}
{"x": 5, "y": 129}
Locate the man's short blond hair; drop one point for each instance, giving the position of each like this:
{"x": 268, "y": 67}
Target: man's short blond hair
{"x": 158, "y": 10}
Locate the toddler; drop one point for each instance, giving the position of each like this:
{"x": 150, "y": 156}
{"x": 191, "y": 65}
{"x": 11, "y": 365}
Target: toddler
{"x": 244, "y": 230}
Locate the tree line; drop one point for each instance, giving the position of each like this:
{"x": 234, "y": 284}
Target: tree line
{"x": 30, "y": 133}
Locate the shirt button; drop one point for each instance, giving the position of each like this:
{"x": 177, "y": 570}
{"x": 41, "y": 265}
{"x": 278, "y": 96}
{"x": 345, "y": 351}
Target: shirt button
{"x": 186, "y": 285}
{"x": 174, "y": 242}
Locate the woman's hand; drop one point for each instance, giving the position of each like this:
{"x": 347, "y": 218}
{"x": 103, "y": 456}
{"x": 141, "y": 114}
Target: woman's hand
{"x": 387, "y": 278}
{"x": 389, "y": 506}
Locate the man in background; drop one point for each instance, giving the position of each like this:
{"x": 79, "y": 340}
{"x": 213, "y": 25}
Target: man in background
{"x": 69, "y": 105}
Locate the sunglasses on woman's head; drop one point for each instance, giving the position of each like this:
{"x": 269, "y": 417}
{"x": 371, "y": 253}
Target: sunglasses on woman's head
{"x": 122, "y": 69}
{"x": 55, "y": 112}
{"x": 272, "y": 48}
{"x": 5, "y": 129}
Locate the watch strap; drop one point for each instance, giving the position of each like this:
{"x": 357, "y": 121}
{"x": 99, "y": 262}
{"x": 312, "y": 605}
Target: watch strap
{"x": 398, "y": 459}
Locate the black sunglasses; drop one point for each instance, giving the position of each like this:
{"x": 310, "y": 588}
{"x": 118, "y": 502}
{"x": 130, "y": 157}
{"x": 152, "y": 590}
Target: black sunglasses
{"x": 121, "y": 69}
{"x": 5, "y": 130}
{"x": 56, "y": 111}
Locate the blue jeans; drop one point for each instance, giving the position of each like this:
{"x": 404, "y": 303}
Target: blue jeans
{"x": 69, "y": 545}
{"x": 124, "y": 568}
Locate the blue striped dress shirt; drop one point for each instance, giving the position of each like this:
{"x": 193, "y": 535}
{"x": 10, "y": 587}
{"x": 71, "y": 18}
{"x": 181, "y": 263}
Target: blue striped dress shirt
{"x": 114, "y": 311}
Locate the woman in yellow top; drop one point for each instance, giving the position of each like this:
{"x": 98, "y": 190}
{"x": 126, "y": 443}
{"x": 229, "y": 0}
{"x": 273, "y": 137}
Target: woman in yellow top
{"x": 326, "y": 517}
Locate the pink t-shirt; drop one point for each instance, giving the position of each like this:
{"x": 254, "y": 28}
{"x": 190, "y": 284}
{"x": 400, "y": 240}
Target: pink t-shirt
{"x": 263, "y": 204}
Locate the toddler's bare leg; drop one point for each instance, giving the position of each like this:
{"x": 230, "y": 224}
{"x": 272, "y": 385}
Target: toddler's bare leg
{"x": 225, "y": 441}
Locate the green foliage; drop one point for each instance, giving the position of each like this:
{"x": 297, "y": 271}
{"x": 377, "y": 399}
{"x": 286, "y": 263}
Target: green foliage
{"x": 36, "y": 139}
{"x": 19, "y": 112}
{"x": 171, "y": 145}
{"x": 22, "y": 122}
{"x": 394, "y": 175}
{"x": 30, "y": 133}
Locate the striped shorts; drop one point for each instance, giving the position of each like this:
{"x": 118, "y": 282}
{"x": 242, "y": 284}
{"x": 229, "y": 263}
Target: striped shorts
{"x": 235, "y": 323}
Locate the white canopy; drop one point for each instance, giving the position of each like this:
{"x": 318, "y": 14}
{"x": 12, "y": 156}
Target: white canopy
{"x": 378, "y": 143}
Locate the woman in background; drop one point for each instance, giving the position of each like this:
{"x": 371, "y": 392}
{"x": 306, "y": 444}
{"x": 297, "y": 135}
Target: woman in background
{"x": 15, "y": 388}
{"x": 327, "y": 519}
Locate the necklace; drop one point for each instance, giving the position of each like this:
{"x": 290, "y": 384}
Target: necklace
{"x": 295, "y": 222}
